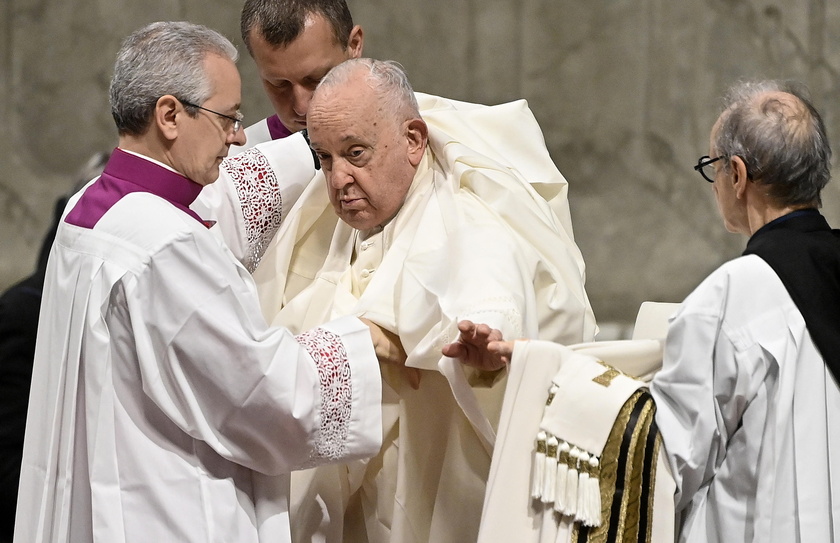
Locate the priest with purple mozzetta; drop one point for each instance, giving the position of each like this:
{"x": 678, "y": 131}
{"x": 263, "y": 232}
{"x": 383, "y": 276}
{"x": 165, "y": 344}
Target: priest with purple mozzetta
{"x": 163, "y": 407}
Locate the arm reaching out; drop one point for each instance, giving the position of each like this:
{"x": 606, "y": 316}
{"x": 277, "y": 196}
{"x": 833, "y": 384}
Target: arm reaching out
{"x": 480, "y": 346}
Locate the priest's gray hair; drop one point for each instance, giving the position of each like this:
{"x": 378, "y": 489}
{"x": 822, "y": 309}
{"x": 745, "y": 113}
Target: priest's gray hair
{"x": 159, "y": 59}
{"x": 386, "y": 77}
{"x": 783, "y": 142}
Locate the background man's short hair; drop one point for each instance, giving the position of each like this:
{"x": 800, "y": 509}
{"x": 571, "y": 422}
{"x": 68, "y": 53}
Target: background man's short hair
{"x": 280, "y": 22}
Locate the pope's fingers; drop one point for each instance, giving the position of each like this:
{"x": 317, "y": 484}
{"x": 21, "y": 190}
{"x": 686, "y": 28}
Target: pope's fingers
{"x": 483, "y": 330}
{"x": 466, "y": 326}
{"x": 501, "y": 348}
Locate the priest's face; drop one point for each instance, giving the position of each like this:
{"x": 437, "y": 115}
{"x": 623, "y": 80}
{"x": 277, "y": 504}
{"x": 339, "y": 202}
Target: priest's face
{"x": 368, "y": 155}
{"x": 290, "y": 73}
{"x": 203, "y": 141}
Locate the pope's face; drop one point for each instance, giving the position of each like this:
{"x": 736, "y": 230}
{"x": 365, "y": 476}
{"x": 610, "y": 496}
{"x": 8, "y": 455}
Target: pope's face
{"x": 290, "y": 74}
{"x": 203, "y": 141}
{"x": 369, "y": 159}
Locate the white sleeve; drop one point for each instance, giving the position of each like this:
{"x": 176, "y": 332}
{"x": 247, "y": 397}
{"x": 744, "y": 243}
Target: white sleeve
{"x": 253, "y": 193}
{"x": 258, "y": 396}
{"x": 706, "y": 383}
{"x": 686, "y": 406}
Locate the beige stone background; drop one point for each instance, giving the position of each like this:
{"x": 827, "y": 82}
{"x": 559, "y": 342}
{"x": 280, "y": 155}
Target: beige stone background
{"x": 625, "y": 90}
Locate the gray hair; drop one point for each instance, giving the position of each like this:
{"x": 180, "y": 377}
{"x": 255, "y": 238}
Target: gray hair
{"x": 159, "y": 59}
{"x": 386, "y": 77}
{"x": 782, "y": 142}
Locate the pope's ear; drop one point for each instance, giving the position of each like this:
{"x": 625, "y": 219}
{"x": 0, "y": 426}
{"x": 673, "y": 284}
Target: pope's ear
{"x": 167, "y": 115}
{"x": 417, "y": 135}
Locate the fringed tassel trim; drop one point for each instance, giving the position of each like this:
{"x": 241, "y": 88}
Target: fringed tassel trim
{"x": 568, "y": 479}
{"x": 538, "y": 470}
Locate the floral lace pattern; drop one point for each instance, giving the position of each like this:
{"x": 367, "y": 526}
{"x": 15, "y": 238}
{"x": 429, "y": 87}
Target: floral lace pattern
{"x": 327, "y": 349}
{"x": 262, "y": 205}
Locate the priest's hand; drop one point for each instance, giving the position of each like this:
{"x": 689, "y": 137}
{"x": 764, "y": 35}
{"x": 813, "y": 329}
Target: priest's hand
{"x": 389, "y": 350}
{"x": 480, "y": 346}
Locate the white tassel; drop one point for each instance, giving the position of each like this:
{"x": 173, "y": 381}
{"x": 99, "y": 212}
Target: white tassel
{"x": 550, "y": 471}
{"x": 572, "y": 484}
{"x": 561, "y": 477}
{"x": 583, "y": 488}
{"x": 539, "y": 467}
{"x": 594, "y": 493}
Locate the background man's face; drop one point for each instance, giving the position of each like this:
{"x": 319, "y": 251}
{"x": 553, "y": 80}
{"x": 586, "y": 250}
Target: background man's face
{"x": 290, "y": 74}
{"x": 363, "y": 152}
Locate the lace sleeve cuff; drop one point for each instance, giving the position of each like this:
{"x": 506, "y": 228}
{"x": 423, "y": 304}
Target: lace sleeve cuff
{"x": 350, "y": 410}
{"x": 259, "y": 194}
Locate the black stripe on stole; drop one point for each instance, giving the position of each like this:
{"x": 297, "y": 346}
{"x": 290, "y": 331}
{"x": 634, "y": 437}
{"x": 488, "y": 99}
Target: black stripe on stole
{"x": 648, "y": 480}
{"x": 633, "y": 434}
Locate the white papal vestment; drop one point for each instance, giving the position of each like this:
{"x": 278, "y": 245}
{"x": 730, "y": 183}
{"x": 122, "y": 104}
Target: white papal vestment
{"x": 163, "y": 408}
{"x": 749, "y": 414}
{"x": 484, "y": 234}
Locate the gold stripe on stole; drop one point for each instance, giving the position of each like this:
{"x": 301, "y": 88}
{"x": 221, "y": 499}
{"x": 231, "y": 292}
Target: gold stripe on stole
{"x": 630, "y": 436}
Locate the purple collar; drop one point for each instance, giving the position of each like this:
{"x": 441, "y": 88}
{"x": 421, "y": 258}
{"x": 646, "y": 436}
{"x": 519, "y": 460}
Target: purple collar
{"x": 276, "y": 129}
{"x": 126, "y": 173}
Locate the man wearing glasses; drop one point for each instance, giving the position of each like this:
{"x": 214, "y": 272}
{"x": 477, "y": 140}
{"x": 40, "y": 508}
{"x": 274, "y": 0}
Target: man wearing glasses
{"x": 163, "y": 408}
{"x": 747, "y": 399}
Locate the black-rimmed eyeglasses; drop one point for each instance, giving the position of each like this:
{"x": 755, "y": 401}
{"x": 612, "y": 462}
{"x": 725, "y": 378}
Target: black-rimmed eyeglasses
{"x": 704, "y": 166}
{"x": 237, "y": 121}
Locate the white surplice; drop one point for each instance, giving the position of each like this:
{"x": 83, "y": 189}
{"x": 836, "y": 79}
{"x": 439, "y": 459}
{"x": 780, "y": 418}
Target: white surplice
{"x": 163, "y": 408}
{"x": 749, "y": 414}
{"x": 484, "y": 234}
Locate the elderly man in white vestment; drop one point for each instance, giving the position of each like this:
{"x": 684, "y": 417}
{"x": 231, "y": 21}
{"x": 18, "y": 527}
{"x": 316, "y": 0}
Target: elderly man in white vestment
{"x": 405, "y": 231}
{"x": 747, "y": 399}
{"x": 163, "y": 407}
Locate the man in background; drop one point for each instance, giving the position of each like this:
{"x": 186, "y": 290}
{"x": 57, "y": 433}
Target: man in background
{"x": 294, "y": 43}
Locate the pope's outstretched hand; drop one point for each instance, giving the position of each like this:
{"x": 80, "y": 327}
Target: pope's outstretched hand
{"x": 480, "y": 346}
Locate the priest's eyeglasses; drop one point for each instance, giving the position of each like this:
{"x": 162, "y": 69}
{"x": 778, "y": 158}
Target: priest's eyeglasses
{"x": 237, "y": 121}
{"x": 704, "y": 166}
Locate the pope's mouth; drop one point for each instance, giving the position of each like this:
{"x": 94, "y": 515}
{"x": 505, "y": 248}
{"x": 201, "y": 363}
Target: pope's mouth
{"x": 352, "y": 203}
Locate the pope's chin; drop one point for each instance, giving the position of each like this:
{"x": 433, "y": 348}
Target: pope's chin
{"x": 357, "y": 219}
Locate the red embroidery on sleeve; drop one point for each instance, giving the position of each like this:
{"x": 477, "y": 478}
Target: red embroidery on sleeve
{"x": 259, "y": 195}
{"x": 327, "y": 350}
